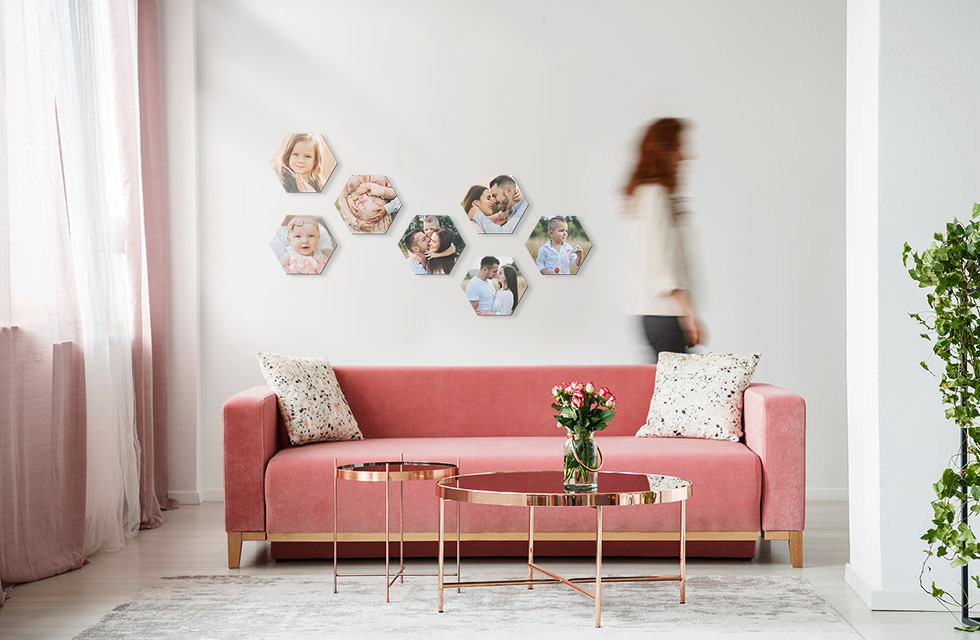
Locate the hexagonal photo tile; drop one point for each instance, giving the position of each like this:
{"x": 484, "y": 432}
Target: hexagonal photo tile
{"x": 432, "y": 245}
{"x": 367, "y": 204}
{"x": 303, "y": 163}
{"x": 303, "y": 245}
{"x": 558, "y": 245}
{"x": 490, "y": 286}
{"x": 494, "y": 204}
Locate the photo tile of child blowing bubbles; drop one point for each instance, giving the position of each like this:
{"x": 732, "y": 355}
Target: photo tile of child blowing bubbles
{"x": 303, "y": 163}
{"x": 303, "y": 245}
{"x": 558, "y": 245}
{"x": 494, "y": 204}
{"x": 367, "y": 203}
{"x": 490, "y": 284}
{"x": 431, "y": 245}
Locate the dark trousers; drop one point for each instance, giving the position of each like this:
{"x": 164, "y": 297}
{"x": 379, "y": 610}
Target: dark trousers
{"x": 664, "y": 334}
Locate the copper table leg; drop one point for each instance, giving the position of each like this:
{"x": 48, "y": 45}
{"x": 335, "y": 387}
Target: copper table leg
{"x": 683, "y": 545}
{"x": 459, "y": 575}
{"x": 530, "y": 546}
{"x": 442, "y": 551}
{"x": 401, "y": 524}
{"x": 598, "y": 566}
{"x": 335, "y": 525}
{"x": 387, "y": 545}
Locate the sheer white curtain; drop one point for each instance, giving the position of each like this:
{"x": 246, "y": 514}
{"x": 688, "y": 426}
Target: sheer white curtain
{"x": 42, "y": 392}
{"x": 82, "y": 273}
{"x": 98, "y": 115}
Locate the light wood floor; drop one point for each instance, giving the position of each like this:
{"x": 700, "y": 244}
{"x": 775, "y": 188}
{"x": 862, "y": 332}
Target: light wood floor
{"x": 192, "y": 542}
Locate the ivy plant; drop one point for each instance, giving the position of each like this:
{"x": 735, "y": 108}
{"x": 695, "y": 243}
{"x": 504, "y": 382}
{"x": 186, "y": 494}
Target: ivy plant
{"x": 949, "y": 269}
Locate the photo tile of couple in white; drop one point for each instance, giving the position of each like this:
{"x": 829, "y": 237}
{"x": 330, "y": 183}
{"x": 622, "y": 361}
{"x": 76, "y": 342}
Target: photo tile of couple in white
{"x": 303, "y": 245}
{"x": 431, "y": 245}
{"x": 495, "y": 205}
{"x": 368, "y": 203}
{"x": 494, "y": 286}
{"x": 303, "y": 163}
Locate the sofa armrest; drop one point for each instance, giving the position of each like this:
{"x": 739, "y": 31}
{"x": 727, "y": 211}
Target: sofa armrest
{"x": 775, "y": 429}
{"x": 250, "y": 428}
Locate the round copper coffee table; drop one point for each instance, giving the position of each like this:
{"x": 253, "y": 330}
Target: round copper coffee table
{"x": 398, "y": 471}
{"x": 546, "y": 489}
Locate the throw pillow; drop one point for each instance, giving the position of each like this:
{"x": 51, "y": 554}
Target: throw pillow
{"x": 699, "y": 395}
{"x": 313, "y": 407}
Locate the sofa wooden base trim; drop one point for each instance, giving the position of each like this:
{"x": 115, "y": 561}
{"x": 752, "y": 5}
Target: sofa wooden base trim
{"x": 795, "y": 539}
{"x": 425, "y": 536}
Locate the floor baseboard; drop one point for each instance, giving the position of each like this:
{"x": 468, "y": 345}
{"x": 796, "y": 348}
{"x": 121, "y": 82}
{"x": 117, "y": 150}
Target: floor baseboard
{"x": 185, "y": 497}
{"x": 827, "y": 494}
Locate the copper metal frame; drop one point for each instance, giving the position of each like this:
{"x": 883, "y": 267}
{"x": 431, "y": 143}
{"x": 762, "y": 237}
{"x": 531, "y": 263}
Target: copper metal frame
{"x": 394, "y": 472}
{"x": 596, "y": 501}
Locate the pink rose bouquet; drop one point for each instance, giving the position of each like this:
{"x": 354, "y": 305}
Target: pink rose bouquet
{"x": 583, "y": 408}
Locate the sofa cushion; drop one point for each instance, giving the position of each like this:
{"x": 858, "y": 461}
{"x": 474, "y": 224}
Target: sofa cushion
{"x": 726, "y": 477}
{"x": 464, "y": 401}
{"x": 699, "y": 396}
{"x": 313, "y": 407}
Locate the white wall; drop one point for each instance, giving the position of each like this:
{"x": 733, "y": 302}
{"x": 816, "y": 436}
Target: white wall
{"x": 862, "y": 292}
{"x": 434, "y": 93}
{"x": 928, "y": 172}
{"x": 180, "y": 124}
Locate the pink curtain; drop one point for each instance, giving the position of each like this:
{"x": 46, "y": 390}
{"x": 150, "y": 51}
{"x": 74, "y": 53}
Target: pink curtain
{"x": 146, "y": 251}
{"x": 42, "y": 377}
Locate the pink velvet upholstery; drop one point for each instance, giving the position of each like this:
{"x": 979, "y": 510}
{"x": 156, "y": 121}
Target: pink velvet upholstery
{"x": 434, "y": 414}
{"x": 251, "y": 438}
{"x": 299, "y": 484}
{"x": 775, "y": 428}
{"x": 418, "y": 402}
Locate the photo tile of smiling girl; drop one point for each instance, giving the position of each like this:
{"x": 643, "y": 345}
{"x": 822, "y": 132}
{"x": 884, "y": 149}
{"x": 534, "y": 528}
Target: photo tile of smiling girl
{"x": 303, "y": 163}
{"x": 303, "y": 245}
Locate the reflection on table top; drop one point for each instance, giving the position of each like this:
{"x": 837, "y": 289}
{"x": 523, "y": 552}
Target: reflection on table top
{"x": 396, "y": 471}
{"x": 546, "y": 488}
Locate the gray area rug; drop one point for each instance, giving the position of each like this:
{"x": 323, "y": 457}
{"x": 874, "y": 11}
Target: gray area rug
{"x": 277, "y": 607}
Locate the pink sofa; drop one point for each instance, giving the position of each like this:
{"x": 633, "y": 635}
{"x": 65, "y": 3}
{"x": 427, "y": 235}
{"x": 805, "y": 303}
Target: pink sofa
{"x": 496, "y": 419}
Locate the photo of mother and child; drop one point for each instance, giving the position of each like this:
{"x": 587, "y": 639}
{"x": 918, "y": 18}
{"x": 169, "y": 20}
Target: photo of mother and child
{"x": 496, "y": 207}
{"x": 367, "y": 204}
{"x": 494, "y": 286}
{"x": 431, "y": 245}
{"x": 303, "y": 245}
{"x": 303, "y": 163}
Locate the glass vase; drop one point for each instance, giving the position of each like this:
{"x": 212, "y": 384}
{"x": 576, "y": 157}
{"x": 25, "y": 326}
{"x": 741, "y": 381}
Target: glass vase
{"x": 582, "y": 461}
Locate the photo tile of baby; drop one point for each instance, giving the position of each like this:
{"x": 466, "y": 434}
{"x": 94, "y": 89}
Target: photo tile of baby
{"x": 558, "y": 245}
{"x": 431, "y": 245}
{"x": 494, "y": 286}
{"x": 367, "y": 204}
{"x": 494, "y": 204}
{"x": 303, "y": 245}
{"x": 303, "y": 163}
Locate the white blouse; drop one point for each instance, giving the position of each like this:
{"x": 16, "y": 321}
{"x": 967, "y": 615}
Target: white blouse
{"x": 503, "y": 303}
{"x": 661, "y": 254}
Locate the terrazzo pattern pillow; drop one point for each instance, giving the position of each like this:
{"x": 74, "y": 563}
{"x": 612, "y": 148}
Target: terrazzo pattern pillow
{"x": 699, "y": 396}
{"x": 313, "y": 407}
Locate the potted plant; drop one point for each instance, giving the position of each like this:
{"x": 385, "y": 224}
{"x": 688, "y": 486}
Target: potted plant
{"x": 950, "y": 269}
{"x": 582, "y": 410}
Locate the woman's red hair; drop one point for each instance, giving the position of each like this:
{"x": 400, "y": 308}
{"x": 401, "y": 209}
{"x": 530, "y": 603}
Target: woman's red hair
{"x": 658, "y": 160}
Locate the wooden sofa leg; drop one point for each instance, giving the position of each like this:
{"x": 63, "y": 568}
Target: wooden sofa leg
{"x": 235, "y": 549}
{"x": 796, "y": 549}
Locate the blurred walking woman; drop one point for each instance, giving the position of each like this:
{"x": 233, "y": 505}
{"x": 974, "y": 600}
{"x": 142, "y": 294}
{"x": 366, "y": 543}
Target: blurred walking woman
{"x": 663, "y": 298}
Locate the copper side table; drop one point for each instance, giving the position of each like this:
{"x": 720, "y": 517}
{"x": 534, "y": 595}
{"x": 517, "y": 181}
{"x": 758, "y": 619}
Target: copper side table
{"x": 546, "y": 489}
{"x": 388, "y": 472}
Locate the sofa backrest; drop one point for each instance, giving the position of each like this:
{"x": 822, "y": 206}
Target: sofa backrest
{"x": 415, "y": 402}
